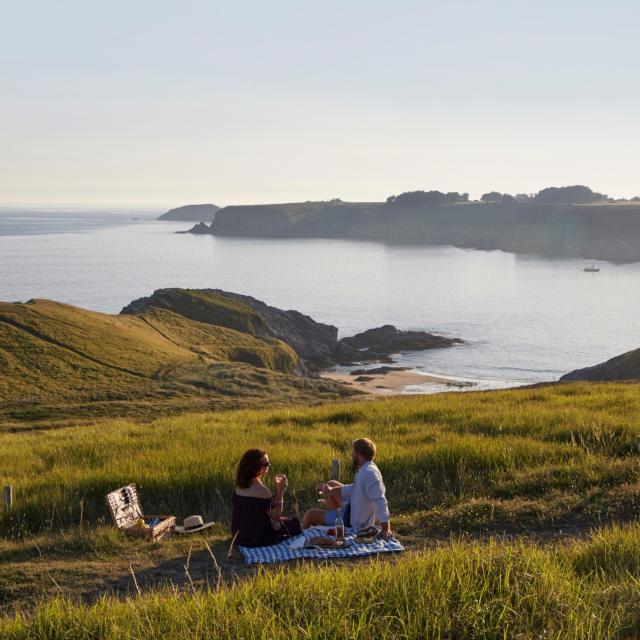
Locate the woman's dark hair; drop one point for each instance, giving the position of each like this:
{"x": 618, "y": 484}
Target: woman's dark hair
{"x": 249, "y": 467}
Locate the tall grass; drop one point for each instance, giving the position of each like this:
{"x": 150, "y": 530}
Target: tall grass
{"x": 463, "y": 591}
{"x": 455, "y": 461}
{"x": 433, "y": 451}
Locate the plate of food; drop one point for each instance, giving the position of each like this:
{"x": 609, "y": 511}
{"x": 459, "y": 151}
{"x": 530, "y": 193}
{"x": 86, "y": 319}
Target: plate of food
{"x": 325, "y": 542}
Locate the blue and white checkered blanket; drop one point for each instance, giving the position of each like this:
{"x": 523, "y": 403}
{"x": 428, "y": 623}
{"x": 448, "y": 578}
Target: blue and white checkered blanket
{"x": 284, "y": 551}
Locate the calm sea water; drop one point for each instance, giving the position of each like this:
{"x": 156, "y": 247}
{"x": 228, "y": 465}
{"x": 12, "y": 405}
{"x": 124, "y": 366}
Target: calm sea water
{"x": 524, "y": 319}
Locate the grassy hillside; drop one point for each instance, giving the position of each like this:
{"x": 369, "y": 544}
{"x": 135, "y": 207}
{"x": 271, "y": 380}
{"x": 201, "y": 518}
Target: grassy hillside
{"x": 62, "y": 362}
{"x": 622, "y": 367}
{"x": 542, "y": 468}
{"x": 207, "y": 307}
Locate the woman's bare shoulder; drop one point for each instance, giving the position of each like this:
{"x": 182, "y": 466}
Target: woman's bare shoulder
{"x": 256, "y": 490}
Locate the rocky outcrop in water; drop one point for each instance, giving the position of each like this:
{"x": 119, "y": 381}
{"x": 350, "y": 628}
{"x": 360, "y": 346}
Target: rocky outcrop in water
{"x": 200, "y": 229}
{"x": 380, "y": 343}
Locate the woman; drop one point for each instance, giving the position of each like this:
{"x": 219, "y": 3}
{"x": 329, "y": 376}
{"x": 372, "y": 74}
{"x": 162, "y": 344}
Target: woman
{"x": 257, "y": 519}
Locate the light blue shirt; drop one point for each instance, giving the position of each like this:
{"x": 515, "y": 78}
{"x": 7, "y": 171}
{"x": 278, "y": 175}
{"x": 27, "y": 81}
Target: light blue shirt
{"x": 367, "y": 497}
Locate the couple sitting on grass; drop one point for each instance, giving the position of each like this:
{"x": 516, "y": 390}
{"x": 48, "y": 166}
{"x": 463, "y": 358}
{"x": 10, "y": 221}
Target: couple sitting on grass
{"x": 257, "y": 518}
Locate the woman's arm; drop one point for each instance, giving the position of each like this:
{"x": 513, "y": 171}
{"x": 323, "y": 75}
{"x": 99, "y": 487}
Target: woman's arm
{"x": 277, "y": 502}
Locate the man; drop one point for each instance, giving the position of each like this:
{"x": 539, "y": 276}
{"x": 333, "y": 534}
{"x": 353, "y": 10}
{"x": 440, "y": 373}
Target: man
{"x": 366, "y": 496}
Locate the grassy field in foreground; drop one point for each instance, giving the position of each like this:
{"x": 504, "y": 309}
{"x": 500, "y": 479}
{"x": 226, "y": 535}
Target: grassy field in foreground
{"x": 526, "y": 457}
{"x": 584, "y": 590}
{"x": 503, "y": 500}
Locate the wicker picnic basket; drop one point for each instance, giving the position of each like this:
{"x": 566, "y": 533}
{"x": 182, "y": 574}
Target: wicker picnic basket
{"x": 126, "y": 512}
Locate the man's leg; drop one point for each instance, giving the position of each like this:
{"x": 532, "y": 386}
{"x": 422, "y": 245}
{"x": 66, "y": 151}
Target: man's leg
{"x": 314, "y": 517}
{"x": 333, "y": 501}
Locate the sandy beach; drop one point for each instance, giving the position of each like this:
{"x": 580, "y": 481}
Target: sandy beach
{"x": 389, "y": 383}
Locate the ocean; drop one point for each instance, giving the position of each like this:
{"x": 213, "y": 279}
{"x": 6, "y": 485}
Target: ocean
{"x": 524, "y": 319}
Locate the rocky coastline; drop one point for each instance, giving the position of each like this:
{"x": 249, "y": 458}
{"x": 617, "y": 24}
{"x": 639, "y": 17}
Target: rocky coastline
{"x": 316, "y": 343}
{"x": 601, "y": 230}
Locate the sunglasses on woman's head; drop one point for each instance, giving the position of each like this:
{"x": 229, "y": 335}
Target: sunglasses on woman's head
{"x": 265, "y": 464}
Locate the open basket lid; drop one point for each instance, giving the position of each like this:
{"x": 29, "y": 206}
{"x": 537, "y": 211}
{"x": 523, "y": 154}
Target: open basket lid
{"x": 124, "y": 506}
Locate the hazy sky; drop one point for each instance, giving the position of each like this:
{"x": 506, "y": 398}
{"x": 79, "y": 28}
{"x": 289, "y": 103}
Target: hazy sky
{"x": 165, "y": 103}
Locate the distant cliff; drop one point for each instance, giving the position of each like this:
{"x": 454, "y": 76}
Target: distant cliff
{"x": 600, "y": 230}
{"x": 623, "y": 367}
{"x": 191, "y": 213}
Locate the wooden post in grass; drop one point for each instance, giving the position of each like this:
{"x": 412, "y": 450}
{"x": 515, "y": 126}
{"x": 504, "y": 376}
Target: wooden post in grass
{"x": 7, "y": 495}
{"x": 335, "y": 469}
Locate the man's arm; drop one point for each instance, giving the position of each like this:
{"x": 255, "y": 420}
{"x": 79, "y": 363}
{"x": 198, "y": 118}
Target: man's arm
{"x": 345, "y": 491}
{"x": 333, "y": 496}
{"x": 376, "y": 491}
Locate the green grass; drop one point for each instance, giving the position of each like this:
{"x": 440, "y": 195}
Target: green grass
{"x": 518, "y": 508}
{"x": 490, "y": 590}
{"x": 60, "y": 362}
{"x": 210, "y": 308}
{"x": 560, "y": 451}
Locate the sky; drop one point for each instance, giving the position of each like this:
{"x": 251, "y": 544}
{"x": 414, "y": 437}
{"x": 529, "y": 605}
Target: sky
{"x": 156, "y": 103}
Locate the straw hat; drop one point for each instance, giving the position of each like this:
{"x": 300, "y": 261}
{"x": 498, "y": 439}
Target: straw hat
{"x": 193, "y": 524}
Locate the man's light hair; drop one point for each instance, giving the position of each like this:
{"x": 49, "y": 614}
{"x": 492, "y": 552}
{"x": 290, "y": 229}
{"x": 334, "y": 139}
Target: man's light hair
{"x": 365, "y": 447}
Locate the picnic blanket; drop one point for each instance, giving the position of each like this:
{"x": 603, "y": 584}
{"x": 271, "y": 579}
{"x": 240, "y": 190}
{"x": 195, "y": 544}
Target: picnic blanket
{"x": 292, "y": 549}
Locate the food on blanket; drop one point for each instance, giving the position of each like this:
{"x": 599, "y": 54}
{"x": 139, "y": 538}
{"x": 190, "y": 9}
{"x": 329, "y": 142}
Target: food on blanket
{"x": 368, "y": 534}
{"x": 321, "y": 541}
{"x": 326, "y": 543}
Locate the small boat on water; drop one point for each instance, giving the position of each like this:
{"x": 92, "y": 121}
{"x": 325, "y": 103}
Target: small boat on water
{"x": 591, "y": 268}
